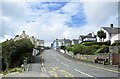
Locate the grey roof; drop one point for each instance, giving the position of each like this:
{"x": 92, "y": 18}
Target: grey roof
{"x": 88, "y": 36}
{"x": 67, "y": 40}
{"x": 112, "y": 30}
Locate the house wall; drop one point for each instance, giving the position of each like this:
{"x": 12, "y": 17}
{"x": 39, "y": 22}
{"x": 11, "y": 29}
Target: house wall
{"x": 89, "y": 39}
{"x": 34, "y": 41}
{"x": 73, "y": 42}
{"x": 108, "y": 37}
{"x": 115, "y": 37}
{"x": 80, "y": 40}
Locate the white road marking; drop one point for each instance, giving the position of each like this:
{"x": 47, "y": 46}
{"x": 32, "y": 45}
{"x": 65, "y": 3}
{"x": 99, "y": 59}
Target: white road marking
{"x": 65, "y": 64}
{"x": 83, "y": 73}
{"x": 44, "y": 68}
{"x": 57, "y": 60}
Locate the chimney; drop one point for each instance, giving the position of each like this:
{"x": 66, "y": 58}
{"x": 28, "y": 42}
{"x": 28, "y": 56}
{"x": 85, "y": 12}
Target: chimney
{"x": 32, "y": 36}
{"x": 111, "y": 25}
{"x": 23, "y": 32}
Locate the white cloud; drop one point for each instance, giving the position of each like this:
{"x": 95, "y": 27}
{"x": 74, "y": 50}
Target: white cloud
{"x": 14, "y": 10}
{"x": 51, "y": 25}
{"x": 98, "y": 13}
{"x": 13, "y": 14}
{"x": 72, "y": 8}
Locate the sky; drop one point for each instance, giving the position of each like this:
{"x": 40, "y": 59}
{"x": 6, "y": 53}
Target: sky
{"x": 55, "y": 19}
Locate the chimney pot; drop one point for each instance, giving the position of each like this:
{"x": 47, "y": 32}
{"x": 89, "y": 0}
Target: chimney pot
{"x": 111, "y": 25}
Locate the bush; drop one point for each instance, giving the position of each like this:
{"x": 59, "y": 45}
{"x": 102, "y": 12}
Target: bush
{"x": 63, "y": 47}
{"x": 116, "y": 44}
{"x": 88, "y": 50}
{"x": 14, "y": 51}
{"x": 69, "y": 48}
{"x": 3, "y": 64}
{"x": 76, "y": 49}
{"x": 102, "y": 49}
{"x": 96, "y": 43}
{"x": 12, "y": 70}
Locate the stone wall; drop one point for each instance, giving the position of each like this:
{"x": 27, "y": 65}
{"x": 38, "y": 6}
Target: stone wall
{"x": 89, "y": 58}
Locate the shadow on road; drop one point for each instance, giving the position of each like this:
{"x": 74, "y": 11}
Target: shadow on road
{"x": 37, "y": 59}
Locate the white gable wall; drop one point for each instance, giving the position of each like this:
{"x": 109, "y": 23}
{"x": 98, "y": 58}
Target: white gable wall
{"x": 115, "y": 37}
{"x": 112, "y": 38}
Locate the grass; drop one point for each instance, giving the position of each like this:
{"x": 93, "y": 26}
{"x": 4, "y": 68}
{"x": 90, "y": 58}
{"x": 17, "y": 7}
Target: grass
{"x": 12, "y": 70}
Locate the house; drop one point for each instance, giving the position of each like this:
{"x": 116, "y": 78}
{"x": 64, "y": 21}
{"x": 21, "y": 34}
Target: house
{"x": 35, "y": 42}
{"x": 23, "y": 35}
{"x": 87, "y": 38}
{"x": 66, "y": 42}
{"x": 75, "y": 41}
{"x": 60, "y": 42}
{"x": 112, "y": 34}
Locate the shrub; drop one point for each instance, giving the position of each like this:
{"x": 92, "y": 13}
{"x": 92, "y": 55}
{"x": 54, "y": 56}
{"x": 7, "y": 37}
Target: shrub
{"x": 69, "y": 48}
{"x": 102, "y": 49}
{"x": 98, "y": 51}
{"x": 96, "y": 43}
{"x": 116, "y": 44}
{"x": 76, "y": 49}
{"x": 88, "y": 50}
{"x": 14, "y": 51}
{"x": 63, "y": 47}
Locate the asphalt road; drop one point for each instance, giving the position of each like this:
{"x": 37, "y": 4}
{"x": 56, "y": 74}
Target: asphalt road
{"x": 58, "y": 65}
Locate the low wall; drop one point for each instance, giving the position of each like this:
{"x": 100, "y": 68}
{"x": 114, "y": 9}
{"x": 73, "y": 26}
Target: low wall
{"x": 89, "y": 58}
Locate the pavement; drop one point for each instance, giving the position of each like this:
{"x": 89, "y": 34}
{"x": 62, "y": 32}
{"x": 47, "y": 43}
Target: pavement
{"x": 33, "y": 71}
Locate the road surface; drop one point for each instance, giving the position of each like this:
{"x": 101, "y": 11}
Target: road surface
{"x": 57, "y": 65}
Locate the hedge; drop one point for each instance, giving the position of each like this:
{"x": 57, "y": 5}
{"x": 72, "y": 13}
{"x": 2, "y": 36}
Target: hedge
{"x": 87, "y": 50}
{"x": 96, "y": 43}
{"x": 116, "y": 44}
{"x": 69, "y": 48}
{"x": 63, "y": 47}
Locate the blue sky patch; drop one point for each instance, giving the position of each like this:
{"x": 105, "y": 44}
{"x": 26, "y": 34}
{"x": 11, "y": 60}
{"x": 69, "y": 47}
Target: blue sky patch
{"x": 77, "y": 20}
{"x": 49, "y": 6}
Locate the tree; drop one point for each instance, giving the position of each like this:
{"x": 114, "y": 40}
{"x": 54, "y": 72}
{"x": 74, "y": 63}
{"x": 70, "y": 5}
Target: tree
{"x": 101, "y": 34}
{"x": 14, "y": 51}
{"x": 104, "y": 36}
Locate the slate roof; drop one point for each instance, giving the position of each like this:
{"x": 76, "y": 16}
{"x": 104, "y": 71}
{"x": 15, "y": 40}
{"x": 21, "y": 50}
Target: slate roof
{"x": 87, "y": 36}
{"x": 112, "y": 30}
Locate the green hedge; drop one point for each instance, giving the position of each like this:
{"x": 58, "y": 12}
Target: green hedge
{"x": 14, "y": 51}
{"x": 96, "y": 43}
{"x": 82, "y": 49}
{"x": 87, "y": 50}
{"x": 116, "y": 44}
{"x": 69, "y": 48}
{"x": 63, "y": 47}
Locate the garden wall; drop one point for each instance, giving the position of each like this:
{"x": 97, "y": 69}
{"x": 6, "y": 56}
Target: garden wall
{"x": 89, "y": 58}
